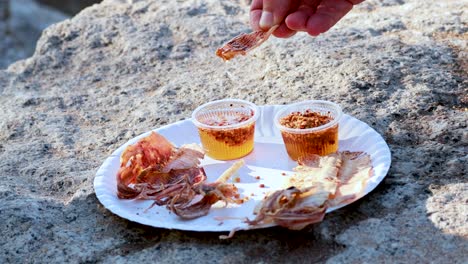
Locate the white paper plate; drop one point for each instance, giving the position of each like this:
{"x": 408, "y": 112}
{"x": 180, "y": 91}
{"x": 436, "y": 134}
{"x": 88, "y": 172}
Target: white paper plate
{"x": 268, "y": 160}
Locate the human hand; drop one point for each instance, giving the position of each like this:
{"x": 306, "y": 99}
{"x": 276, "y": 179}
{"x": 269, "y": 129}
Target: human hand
{"x": 311, "y": 16}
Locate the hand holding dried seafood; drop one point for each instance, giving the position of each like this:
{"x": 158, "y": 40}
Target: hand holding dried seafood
{"x": 320, "y": 182}
{"x": 243, "y": 43}
{"x": 154, "y": 169}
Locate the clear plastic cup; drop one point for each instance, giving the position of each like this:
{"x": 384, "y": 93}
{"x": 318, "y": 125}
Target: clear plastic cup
{"x": 226, "y": 128}
{"x": 302, "y": 142}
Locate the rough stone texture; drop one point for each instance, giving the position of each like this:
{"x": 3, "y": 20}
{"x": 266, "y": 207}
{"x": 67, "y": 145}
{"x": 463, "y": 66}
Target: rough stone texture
{"x": 21, "y": 24}
{"x": 121, "y": 68}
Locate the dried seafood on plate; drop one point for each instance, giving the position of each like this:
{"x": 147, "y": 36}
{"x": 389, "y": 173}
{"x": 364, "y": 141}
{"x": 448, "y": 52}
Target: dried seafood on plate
{"x": 154, "y": 169}
{"x": 319, "y": 182}
{"x": 293, "y": 208}
{"x": 243, "y": 43}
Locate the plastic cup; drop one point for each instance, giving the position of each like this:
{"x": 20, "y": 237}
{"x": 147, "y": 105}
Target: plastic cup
{"x": 226, "y": 128}
{"x": 302, "y": 142}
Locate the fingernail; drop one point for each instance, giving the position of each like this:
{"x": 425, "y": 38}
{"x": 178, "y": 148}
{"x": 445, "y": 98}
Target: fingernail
{"x": 266, "y": 20}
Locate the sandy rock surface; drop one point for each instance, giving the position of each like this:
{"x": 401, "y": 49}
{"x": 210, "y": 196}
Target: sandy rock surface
{"x": 122, "y": 68}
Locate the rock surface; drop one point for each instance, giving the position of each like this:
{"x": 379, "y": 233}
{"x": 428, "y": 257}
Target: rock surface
{"x": 121, "y": 68}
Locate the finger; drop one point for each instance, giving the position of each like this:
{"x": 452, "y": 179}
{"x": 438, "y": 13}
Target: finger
{"x": 328, "y": 13}
{"x": 255, "y": 13}
{"x": 298, "y": 20}
{"x": 273, "y": 13}
{"x": 283, "y": 31}
{"x": 255, "y": 19}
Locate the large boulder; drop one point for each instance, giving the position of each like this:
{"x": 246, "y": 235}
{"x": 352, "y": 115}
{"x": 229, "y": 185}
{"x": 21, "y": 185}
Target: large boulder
{"x": 122, "y": 68}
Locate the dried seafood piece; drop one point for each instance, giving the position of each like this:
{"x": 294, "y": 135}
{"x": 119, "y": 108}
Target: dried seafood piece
{"x": 208, "y": 194}
{"x": 154, "y": 169}
{"x": 292, "y": 208}
{"x": 230, "y": 171}
{"x": 343, "y": 174}
{"x": 151, "y": 151}
{"x": 320, "y": 182}
{"x": 153, "y": 163}
{"x": 186, "y": 157}
{"x": 243, "y": 43}
{"x": 317, "y": 169}
{"x": 356, "y": 169}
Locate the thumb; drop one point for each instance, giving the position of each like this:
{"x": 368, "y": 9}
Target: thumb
{"x": 273, "y": 13}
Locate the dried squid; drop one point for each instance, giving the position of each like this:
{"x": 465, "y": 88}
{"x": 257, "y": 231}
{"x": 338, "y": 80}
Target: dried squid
{"x": 243, "y": 43}
{"x": 154, "y": 169}
{"x": 320, "y": 182}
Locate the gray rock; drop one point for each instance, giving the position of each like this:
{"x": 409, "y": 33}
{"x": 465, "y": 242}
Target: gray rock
{"x": 121, "y": 68}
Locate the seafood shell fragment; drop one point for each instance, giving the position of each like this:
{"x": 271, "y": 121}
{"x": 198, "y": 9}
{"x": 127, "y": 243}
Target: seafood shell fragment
{"x": 154, "y": 169}
{"x": 243, "y": 43}
{"x": 320, "y": 182}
